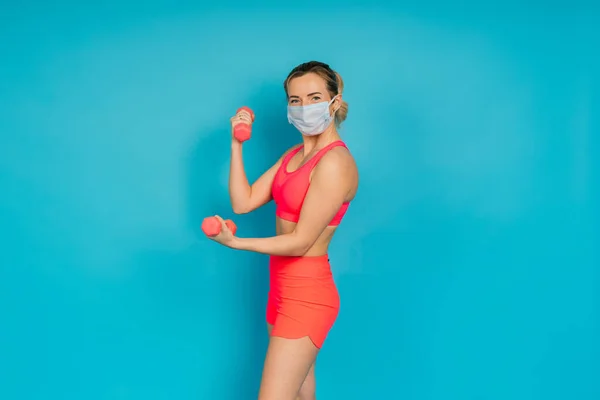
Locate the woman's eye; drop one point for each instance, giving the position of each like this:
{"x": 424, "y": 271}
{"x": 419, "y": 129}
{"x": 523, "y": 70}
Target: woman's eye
{"x": 316, "y": 98}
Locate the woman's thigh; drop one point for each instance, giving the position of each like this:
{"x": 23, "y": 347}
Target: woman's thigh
{"x": 287, "y": 364}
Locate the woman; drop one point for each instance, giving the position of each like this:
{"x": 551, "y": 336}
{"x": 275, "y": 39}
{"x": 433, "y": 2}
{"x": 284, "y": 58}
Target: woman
{"x": 312, "y": 185}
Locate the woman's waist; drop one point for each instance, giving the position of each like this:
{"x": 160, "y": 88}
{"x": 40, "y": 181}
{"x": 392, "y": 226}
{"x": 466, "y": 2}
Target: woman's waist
{"x": 319, "y": 248}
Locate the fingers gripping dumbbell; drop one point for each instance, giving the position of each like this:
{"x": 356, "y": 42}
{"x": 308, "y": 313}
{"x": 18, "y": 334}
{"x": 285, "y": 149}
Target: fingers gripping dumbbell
{"x": 211, "y": 226}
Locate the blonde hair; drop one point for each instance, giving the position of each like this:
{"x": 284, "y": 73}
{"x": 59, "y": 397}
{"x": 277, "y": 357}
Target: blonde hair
{"x": 333, "y": 80}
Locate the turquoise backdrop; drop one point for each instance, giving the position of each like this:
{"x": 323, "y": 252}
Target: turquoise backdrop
{"x": 468, "y": 265}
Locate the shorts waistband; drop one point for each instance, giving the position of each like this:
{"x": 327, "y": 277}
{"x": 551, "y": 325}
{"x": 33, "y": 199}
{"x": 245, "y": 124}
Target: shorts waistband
{"x": 294, "y": 259}
{"x": 314, "y": 266}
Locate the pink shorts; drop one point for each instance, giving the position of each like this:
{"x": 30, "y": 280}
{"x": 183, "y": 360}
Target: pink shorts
{"x": 303, "y": 298}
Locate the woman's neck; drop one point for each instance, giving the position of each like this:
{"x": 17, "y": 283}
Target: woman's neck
{"x": 317, "y": 142}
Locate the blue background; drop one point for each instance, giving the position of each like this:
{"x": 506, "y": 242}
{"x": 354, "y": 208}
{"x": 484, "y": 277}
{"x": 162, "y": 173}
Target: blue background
{"x": 468, "y": 265}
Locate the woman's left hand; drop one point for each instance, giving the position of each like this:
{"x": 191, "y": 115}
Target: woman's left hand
{"x": 225, "y": 237}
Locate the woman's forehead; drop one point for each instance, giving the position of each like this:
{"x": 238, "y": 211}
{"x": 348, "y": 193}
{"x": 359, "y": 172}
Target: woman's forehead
{"x": 308, "y": 83}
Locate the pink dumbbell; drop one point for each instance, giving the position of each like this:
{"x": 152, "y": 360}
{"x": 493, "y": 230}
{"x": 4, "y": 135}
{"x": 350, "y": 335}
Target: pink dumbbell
{"x": 243, "y": 131}
{"x": 211, "y": 226}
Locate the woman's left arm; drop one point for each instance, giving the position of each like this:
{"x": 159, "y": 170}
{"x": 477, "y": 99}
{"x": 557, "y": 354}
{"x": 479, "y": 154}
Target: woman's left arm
{"x": 329, "y": 186}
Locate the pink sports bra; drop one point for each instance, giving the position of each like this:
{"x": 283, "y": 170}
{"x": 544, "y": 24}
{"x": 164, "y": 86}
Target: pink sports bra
{"x": 290, "y": 188}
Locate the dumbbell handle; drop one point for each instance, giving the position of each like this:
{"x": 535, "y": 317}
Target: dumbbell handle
{"x": 211, "y": 226}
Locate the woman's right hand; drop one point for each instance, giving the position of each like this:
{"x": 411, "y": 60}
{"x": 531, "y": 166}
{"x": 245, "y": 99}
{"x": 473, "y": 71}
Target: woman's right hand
{"x": 242, "y": 117}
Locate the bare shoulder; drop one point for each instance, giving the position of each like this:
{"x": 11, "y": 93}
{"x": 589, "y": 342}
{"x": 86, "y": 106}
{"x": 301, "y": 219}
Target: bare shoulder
{"x": 339, "y": 157}
{"x": 338, "y": 163}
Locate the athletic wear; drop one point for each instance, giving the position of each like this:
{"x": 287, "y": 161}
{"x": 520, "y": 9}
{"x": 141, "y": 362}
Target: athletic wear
{"x": 290, "y": 188}
{"x": 303, "y": 299}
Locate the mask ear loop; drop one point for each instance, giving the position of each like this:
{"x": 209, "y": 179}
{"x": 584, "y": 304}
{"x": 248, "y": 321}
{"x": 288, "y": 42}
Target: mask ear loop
{"x": 332, "y": 100}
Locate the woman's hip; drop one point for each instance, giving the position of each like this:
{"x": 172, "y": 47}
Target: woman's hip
{"x": 303, "y": 280}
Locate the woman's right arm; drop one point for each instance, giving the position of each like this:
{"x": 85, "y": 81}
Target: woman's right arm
{"x": 245, "y": 197}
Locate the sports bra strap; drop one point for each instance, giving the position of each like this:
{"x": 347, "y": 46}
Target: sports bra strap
{"x": 289, "y": 156}
{"x": 317, "y": 157}
{"x": 310, "y": 164}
